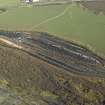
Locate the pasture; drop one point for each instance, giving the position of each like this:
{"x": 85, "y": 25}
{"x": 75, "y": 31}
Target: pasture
{"x": 67, "y": 21}
{"x": 6, "y": 3}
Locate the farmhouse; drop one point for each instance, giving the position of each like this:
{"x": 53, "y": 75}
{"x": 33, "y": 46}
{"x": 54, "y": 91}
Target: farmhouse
{"x": 31, "y": 1}
{"x": 36, "y": 0}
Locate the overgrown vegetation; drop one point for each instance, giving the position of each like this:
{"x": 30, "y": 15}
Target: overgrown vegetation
{"x": 36, "y": 81}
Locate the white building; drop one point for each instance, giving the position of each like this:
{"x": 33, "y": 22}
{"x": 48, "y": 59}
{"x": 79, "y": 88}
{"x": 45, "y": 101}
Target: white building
{"x": 36, "y": 0}
{"x": 27, "y": 1}
{"x": 30, "y": 1}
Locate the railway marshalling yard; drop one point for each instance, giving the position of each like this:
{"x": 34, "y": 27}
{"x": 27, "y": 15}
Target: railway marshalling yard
{"x": 52, "y": 54}
{"x": 69, "y": 56}
{"x": 72, "y": 22}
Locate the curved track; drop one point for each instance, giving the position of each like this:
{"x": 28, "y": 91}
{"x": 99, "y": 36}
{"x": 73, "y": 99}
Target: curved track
{"x": 63, "y": 54}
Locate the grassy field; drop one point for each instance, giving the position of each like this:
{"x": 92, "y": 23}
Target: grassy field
{"x": 9, "y": 2}
{"x": 66, "y": 21}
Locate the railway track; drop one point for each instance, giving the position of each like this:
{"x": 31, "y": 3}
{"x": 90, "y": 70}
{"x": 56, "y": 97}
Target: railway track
{"x": 55, "y": 51}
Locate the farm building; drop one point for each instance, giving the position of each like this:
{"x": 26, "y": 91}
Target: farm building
{"x": 31, "y": 1}
{"x": 36, "y": 0}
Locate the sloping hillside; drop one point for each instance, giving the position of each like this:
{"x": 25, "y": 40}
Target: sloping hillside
{"x": 35, "y": 81}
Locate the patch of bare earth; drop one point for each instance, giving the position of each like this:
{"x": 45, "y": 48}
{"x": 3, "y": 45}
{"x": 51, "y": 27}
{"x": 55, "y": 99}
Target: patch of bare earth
{"x": 98, "y": 7}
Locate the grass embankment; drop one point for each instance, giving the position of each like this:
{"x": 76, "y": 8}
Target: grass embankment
{"x": 72, "y": 24}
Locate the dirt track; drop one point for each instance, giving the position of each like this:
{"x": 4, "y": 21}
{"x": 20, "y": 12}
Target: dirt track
{"x": 55, "y": 51}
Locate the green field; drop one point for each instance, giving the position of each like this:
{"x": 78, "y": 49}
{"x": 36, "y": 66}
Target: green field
{"x": 9, "y": 3}
{"x": 66, "y": 21}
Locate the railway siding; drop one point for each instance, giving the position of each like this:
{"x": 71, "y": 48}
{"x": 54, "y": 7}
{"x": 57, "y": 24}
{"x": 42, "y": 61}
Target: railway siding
{"x": 66, "y": 55}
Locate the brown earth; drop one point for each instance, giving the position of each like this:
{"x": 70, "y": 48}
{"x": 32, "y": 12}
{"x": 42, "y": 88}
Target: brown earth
{"x": 95, "y": 6}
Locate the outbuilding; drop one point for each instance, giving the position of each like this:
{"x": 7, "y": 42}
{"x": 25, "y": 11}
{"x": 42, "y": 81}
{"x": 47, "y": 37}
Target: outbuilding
{"x": 36, "y": 0}
{"x": 31, "y": 1}
{"x": 27, "y": 1}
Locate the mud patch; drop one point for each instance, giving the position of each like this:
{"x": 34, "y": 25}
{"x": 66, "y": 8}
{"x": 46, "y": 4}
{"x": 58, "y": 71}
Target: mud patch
{"x": 2, "y": 10}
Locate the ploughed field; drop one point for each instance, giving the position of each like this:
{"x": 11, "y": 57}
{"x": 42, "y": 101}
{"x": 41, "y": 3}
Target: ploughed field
{"x": 96, "y": 6}
{"x": 71, "y": 57}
